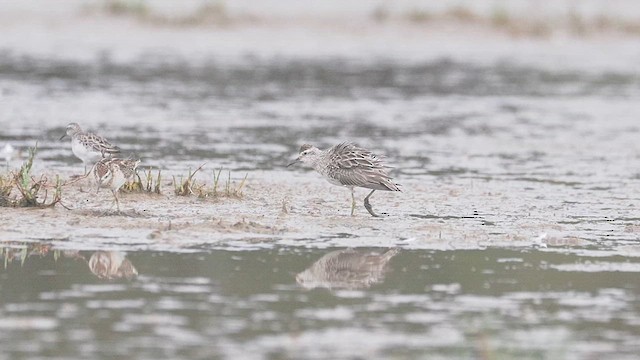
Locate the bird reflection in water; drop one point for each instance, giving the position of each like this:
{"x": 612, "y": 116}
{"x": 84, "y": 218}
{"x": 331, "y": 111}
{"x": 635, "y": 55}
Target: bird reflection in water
{"x": 111, "y": 265}
{"x": 347, "y": 269}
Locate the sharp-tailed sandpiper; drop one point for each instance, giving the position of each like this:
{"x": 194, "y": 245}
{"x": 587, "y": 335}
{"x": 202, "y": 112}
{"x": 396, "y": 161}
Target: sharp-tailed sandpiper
{"x": 351, "y": 166}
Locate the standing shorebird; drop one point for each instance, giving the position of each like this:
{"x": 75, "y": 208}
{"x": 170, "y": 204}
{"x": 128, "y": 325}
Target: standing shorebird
{"x": 348, "y": 165}
{"x": 113, "y": 173}
{"x": 89, "y": 147}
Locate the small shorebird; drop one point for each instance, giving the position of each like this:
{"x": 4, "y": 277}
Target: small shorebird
{"x": 87, "y": 146}
{"x": 113, "y": 173}
{"x": 348, "y": 165}
{"x": 347, "y": 269}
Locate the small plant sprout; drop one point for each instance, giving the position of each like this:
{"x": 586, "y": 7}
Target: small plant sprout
{"x": 186, "y": 187}
{"x": 149, "y": 185}
{"x": 229, "y": 190}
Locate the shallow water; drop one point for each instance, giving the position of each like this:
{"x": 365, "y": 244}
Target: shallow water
{"x": 517, "y": 227}
{"x": 246, "y": 304}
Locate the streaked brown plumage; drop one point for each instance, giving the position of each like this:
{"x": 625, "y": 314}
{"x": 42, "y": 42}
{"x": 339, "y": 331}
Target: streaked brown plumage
{"x": 88, "y": 146}
{"x": 113, "y": 173}
{"x": 349, "y": 165}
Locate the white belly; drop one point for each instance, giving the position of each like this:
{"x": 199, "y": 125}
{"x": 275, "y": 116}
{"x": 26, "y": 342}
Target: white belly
{"x": 88, "y": 156}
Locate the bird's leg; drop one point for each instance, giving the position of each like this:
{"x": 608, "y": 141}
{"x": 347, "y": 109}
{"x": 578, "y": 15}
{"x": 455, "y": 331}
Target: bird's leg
{"x": 353, "y": 202}
{"x": 85, "y": 175}
{"x": 368, "y": 206}
{"x": 115, "y": 196}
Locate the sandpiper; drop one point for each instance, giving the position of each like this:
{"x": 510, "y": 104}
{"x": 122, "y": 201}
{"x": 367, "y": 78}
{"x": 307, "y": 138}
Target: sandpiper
{"x": 113, "y": 173}
{"x": 347, "y": 269}
{"x": 349, "y": 165}
{"x": 88, "y": 146}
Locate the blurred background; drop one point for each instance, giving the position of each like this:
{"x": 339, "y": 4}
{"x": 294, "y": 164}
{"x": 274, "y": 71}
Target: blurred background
{"x": 512, "y": 125}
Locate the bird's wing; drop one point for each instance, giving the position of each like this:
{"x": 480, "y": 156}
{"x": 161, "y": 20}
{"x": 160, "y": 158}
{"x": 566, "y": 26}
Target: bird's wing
{"x": 98, "y": 143}
{"x": 355, "y": 166}
{"x": 350, "y": 156}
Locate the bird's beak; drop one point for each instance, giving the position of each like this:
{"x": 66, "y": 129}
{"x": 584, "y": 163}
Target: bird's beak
{"x": 294, "y": 161}
{"x": 63, "y": 136}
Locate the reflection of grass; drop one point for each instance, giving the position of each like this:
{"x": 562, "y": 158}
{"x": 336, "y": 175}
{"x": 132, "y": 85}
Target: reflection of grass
{"x": 12, "y": 251}
{"x": 30, "y": 190}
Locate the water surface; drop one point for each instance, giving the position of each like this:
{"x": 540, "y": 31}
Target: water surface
{"x": 517, "y": 229}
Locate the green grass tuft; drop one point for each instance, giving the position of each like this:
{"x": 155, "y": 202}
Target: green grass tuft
{"x": 150, "y": 185}
{"x": 29, "y": 192}
{"x": 229, "y": 191}
{"x": 186, "y": 187}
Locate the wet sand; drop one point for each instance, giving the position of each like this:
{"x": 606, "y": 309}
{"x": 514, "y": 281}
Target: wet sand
{"x": 301, "y": 209}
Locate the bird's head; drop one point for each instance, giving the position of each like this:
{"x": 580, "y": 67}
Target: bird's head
{"x": 72, "y": 129}
{"x": 308, "y": 155}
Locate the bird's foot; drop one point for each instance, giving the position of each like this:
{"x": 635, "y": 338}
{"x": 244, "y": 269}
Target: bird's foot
{"x": 370, "y": 209}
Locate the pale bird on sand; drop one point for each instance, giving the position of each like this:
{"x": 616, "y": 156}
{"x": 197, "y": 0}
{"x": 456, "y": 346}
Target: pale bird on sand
{"x": 88, "y": 146}
{"x": 351, "y": 166}
{"x": 113, "y": 173}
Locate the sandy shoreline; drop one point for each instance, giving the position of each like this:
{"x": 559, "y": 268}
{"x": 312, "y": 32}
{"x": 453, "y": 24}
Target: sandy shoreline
{"x": 433, "y": 212}
{"x": 436, "y": 215}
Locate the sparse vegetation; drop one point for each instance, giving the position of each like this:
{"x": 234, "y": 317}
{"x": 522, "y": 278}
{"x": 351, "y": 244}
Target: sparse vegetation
{"x": 229, "y": 189}
{"x": 209, "y": 12}
{"x": 419, "y": 16}
{"x": 186, "y": 186}
{"x": 137, "y": 8}
{"x": 462, "y": 14}
{"x": 215, "y": 12}
{"x": 501, "y": 19}
{"x": 21, "y": 189}
{"x": 150, "y": 185}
